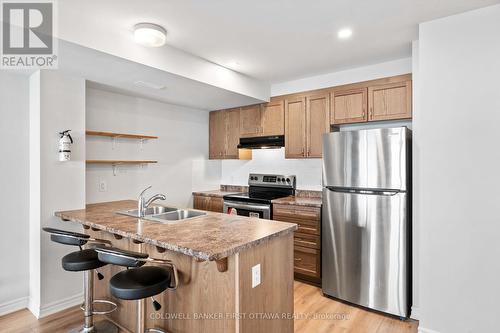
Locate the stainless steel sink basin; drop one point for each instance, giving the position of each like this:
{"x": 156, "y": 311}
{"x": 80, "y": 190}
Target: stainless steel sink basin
{"x": 155, "y": 210}
{"x": 180, "y": 214}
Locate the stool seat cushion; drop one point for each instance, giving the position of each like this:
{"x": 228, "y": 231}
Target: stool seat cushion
{"x": 81, "y": 261}
{"x": 138, "y": 283}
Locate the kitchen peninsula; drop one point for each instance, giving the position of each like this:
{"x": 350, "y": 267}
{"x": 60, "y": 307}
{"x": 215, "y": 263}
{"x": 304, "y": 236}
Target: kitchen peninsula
{"x": 214, "y": 254}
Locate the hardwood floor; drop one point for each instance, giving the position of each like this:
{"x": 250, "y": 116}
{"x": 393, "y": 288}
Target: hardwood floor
{"x": 309, "y": 301}
{"x": 314, "y": 313}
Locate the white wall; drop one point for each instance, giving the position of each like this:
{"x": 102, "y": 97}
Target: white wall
{"x": 459, "y": 113}
{"x": 57, "y": 102}
{"x": 181, "y": 150}
{"x": 358, "y": 74}
{"x": 14, "y": 182}
{"x": 308, "y": 171}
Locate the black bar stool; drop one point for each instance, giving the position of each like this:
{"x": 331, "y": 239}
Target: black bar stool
{"x": 139, "y": 282}
{"x": 85, "y": 260}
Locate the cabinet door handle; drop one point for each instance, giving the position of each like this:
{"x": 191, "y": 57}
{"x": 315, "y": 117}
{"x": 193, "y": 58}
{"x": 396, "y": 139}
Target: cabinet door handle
{"x": 298, "y": 259}
{"x": 371, "y": 112}
{"x": 363, "y": 114}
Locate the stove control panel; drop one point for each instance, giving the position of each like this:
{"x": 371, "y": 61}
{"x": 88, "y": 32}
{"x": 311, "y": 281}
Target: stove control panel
{"x": 288, "y": 181}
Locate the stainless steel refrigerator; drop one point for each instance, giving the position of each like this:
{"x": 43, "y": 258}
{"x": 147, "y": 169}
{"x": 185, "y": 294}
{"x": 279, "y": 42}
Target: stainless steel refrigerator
{"x": 366, "y": 242}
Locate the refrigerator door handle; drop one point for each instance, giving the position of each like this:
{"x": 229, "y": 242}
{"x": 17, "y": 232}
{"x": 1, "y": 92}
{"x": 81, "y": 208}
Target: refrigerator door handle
{"x": 363, "y": 191}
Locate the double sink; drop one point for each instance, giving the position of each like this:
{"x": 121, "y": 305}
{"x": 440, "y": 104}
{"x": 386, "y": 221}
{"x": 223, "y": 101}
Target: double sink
{"x": 164, "y": 214}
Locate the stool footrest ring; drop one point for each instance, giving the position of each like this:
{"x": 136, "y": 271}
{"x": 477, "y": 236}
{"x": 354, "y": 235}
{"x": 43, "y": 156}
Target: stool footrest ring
{"x": 113, "y": 305}
{"x": 157, "y": 330}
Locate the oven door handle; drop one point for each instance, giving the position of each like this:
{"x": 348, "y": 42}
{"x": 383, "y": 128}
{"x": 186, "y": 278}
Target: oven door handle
{"x": 247, "y": 207}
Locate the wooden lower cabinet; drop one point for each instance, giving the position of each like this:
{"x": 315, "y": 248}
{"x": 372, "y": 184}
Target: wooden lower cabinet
{"x": 211, "y": 204}
{"x": 307, "y": 262}
{"x": 205, "y": 291}
{"x": 307, "y": 239}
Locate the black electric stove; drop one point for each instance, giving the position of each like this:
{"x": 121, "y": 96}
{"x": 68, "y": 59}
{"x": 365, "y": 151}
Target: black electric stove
{"x": 261, "y": 191}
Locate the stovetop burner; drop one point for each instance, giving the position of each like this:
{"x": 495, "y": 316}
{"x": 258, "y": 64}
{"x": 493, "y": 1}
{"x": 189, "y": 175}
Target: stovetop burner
{"x": 265, "y": 188}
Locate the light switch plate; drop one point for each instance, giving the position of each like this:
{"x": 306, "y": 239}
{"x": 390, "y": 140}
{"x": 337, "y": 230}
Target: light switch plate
{"x": 255, "y": 275}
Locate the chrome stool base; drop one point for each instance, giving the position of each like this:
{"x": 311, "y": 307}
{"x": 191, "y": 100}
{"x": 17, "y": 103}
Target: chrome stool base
{"x": 102, "y": 326}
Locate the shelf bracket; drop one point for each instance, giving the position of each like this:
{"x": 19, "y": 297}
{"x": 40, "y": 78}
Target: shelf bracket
{"x": 141, "y": 143}
{"x": 113, "y": 145}
{"x": 114, "y": 169}
{"x": 221, "y": 265}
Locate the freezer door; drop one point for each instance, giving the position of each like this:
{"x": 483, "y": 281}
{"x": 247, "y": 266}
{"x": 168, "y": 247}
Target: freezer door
{"x": 365, "y": 249}
{"x": 373, "y": 159}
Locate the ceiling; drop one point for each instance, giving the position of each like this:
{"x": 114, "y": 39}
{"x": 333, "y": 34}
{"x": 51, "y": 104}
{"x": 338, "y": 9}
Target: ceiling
{"x": 272, "y": 41}
{"x": 108, "y": 72}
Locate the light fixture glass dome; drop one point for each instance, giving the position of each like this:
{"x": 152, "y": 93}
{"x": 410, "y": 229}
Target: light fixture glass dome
{"x": 149, "y": 34}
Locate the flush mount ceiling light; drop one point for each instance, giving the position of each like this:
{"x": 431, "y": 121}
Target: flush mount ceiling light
{"x": 149, "y": 34}
{"x": 344, "y": 33}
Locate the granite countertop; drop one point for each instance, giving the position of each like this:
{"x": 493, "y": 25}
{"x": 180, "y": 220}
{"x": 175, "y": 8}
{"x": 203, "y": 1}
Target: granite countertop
{"x": 210, "y": 237}
{"x": 299, "y": 201}
{"x": 214, "y": 193}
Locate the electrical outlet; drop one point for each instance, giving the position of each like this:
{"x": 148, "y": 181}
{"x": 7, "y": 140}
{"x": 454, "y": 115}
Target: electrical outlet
{"x": 102, "y": 185}
{"x": 255, "y": 275}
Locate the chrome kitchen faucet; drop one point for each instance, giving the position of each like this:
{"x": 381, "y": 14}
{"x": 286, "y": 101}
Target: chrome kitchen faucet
{"x": 143, "y": 204}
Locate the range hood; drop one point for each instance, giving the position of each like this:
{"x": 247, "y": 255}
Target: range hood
{"x": 262, "y": 142}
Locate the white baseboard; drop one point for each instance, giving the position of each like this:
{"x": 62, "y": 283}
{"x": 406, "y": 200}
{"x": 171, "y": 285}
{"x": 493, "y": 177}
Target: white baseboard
{"x": 60, "y": 305}
{"x": 415, "y": 313}
{"x": 14, "y": 305}
{"x": 426, "y": 330}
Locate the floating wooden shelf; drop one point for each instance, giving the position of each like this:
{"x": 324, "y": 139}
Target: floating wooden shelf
{"x": 120, "y": 161}
{"x": 120, "y": 135}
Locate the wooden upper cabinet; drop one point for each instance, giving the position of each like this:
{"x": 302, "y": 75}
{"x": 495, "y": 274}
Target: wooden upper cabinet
{"x": 273, "y": 118}
{"x": 217, "y": 134}
{"x": 232, "y": 130}
{"x": 304, "y": 117}
{"x": 224, "y": 128}
{"x": 295, "y": 128}
{"x": 250, "y": 121}
{"x": 390, "y": 101}
{"x": 349, "y": 106}
{"x": 262, "y": 119}
{"x": 317, "y": 123}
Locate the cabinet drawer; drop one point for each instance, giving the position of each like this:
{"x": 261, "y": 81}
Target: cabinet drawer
{"x": 307, "y": 261}
{"x": 307, "y": 240}
{"x": 308, "y": 226}
{"x": 304, "y": 226}
{"x": 298, "y": 212}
